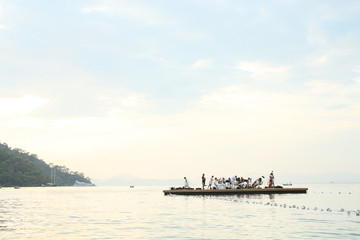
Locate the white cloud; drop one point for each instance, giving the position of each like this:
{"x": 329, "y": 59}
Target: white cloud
{"x": 22, "y": 105}
{"x": 330, "y": 54}
{"x": 133, "y": 100}
{"x": 99, "y": 8}
{"x": 129, "y": 10}
{"x": 203, "y": 63}
{"x": 124, "y": 101}
{"x": 191, "y": 36}
{"x": 323, "y": 87}
{"x": 233, "y": 96}
{"x": 233, "y": 121}
{"x": 356, "y": 69}
{"x": 152, "y": 56}
{"x": 321, "y": 100}
{"x": 318, "y": 60}
{"x": 263, "y": 71}
{"x": 333, "y": 89}
{"x": 316, "y": 35}
{"x": 239, "y": 124}
{"x": 262, "y": 16}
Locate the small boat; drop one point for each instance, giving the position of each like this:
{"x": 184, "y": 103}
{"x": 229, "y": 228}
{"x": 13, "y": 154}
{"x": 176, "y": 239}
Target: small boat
{"x": 49, "y": 185}
{"x": 83, "y": 184}
{"x": 199, "y": 191}
{"x": 287, "y": 184}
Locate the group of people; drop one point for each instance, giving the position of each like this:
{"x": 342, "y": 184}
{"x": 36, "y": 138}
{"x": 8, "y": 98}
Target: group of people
{"x": 233, "y": 182}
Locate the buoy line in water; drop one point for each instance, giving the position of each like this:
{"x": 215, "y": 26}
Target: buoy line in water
{"x": 334, "y": 192}
{"x": 293, "y": 206}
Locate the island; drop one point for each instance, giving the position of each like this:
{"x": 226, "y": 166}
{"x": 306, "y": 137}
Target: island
{"x": 21, "y": 168}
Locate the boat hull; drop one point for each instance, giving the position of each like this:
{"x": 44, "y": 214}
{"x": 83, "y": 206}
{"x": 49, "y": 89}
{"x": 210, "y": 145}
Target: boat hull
{"x": 235, "y": 191}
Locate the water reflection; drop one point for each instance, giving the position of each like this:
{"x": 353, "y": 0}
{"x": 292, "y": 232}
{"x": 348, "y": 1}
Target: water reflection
{"x": 143, "y": 213}
{"x": 7, "y": 215}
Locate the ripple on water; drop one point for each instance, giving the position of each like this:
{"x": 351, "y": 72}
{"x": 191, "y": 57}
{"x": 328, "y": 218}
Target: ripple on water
{"x": 145, "y": 213}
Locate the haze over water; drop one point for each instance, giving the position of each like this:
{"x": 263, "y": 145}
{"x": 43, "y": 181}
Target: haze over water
{"x": 327, "y": 211}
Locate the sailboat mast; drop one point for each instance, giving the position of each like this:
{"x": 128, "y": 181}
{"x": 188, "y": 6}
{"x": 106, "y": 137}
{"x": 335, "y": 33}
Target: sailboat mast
{"x": 54, "y": 174}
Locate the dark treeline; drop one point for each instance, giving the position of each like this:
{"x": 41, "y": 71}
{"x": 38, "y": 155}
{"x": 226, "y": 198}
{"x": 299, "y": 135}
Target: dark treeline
{"x": 20, "y": 168}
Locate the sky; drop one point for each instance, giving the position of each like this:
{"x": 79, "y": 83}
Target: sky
{"x": 166, "y": 89}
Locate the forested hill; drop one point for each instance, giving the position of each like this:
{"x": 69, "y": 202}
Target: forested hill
{"x": 20, "y": 168}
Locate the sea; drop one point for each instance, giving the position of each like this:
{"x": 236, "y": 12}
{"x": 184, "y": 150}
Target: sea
{"x": 327, "y": 211}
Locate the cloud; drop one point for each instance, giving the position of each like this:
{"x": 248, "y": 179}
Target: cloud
{"x": 130, "y": 100}
{"x": 356, "y": 69}
{"x": 326, "y": 102}
{"x": 232, "y": 96}
{"x": 191, "y": 36}
{"x": 319, "y": 60}
{"x": 263, "y": 16}
{"x": 22, "y": 105}
{"x": 330, "y": 54}
{"x": 233, "y": 121}
{"x": 332, "y": 89}
{"x": 203, "y": 63}
{"x": 152, "y": 56}
{"x": 263, "y": 71}
{"x": 339, "y": 102}
{"x": 129, "y": 10}
{"x": 316, "y": 35}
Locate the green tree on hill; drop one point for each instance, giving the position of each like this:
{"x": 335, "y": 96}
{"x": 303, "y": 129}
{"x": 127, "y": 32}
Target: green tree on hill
{"x": 20, "y": 168}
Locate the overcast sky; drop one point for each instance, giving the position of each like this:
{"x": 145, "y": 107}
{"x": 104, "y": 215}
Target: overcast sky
{"x": 163, "y": 89}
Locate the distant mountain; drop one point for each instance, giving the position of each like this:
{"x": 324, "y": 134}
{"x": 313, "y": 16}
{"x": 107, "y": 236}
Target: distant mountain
{"x": 335, "y": 177}
{"x": 280, "y": 178}
{"x": 20, "y": 168}
{"x": 128, "y": 180}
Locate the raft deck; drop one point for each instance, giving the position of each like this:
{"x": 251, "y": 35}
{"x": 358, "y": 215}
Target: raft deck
{"x": 184, "y": 191}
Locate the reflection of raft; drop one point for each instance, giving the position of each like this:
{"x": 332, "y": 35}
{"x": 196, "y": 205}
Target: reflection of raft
{"x": 191, "y": 191}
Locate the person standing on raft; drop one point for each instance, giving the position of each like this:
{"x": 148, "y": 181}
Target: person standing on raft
{"x": 203, "y": 180}
{"x": 186, "y": 185}
{"x": 211, "y": 182}
{"x": 271, "y": 179}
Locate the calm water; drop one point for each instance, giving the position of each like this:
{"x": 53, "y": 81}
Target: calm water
{"x": 328, "y": 211}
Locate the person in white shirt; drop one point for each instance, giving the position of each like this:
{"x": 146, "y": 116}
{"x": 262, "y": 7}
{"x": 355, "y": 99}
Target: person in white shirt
{"x": 233, "y": 182}
{"x": 257, "y": 183}
{"x": 186, "y": 185}
{"x": 216, "y": 184}
{"x": 210, "y": 182}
